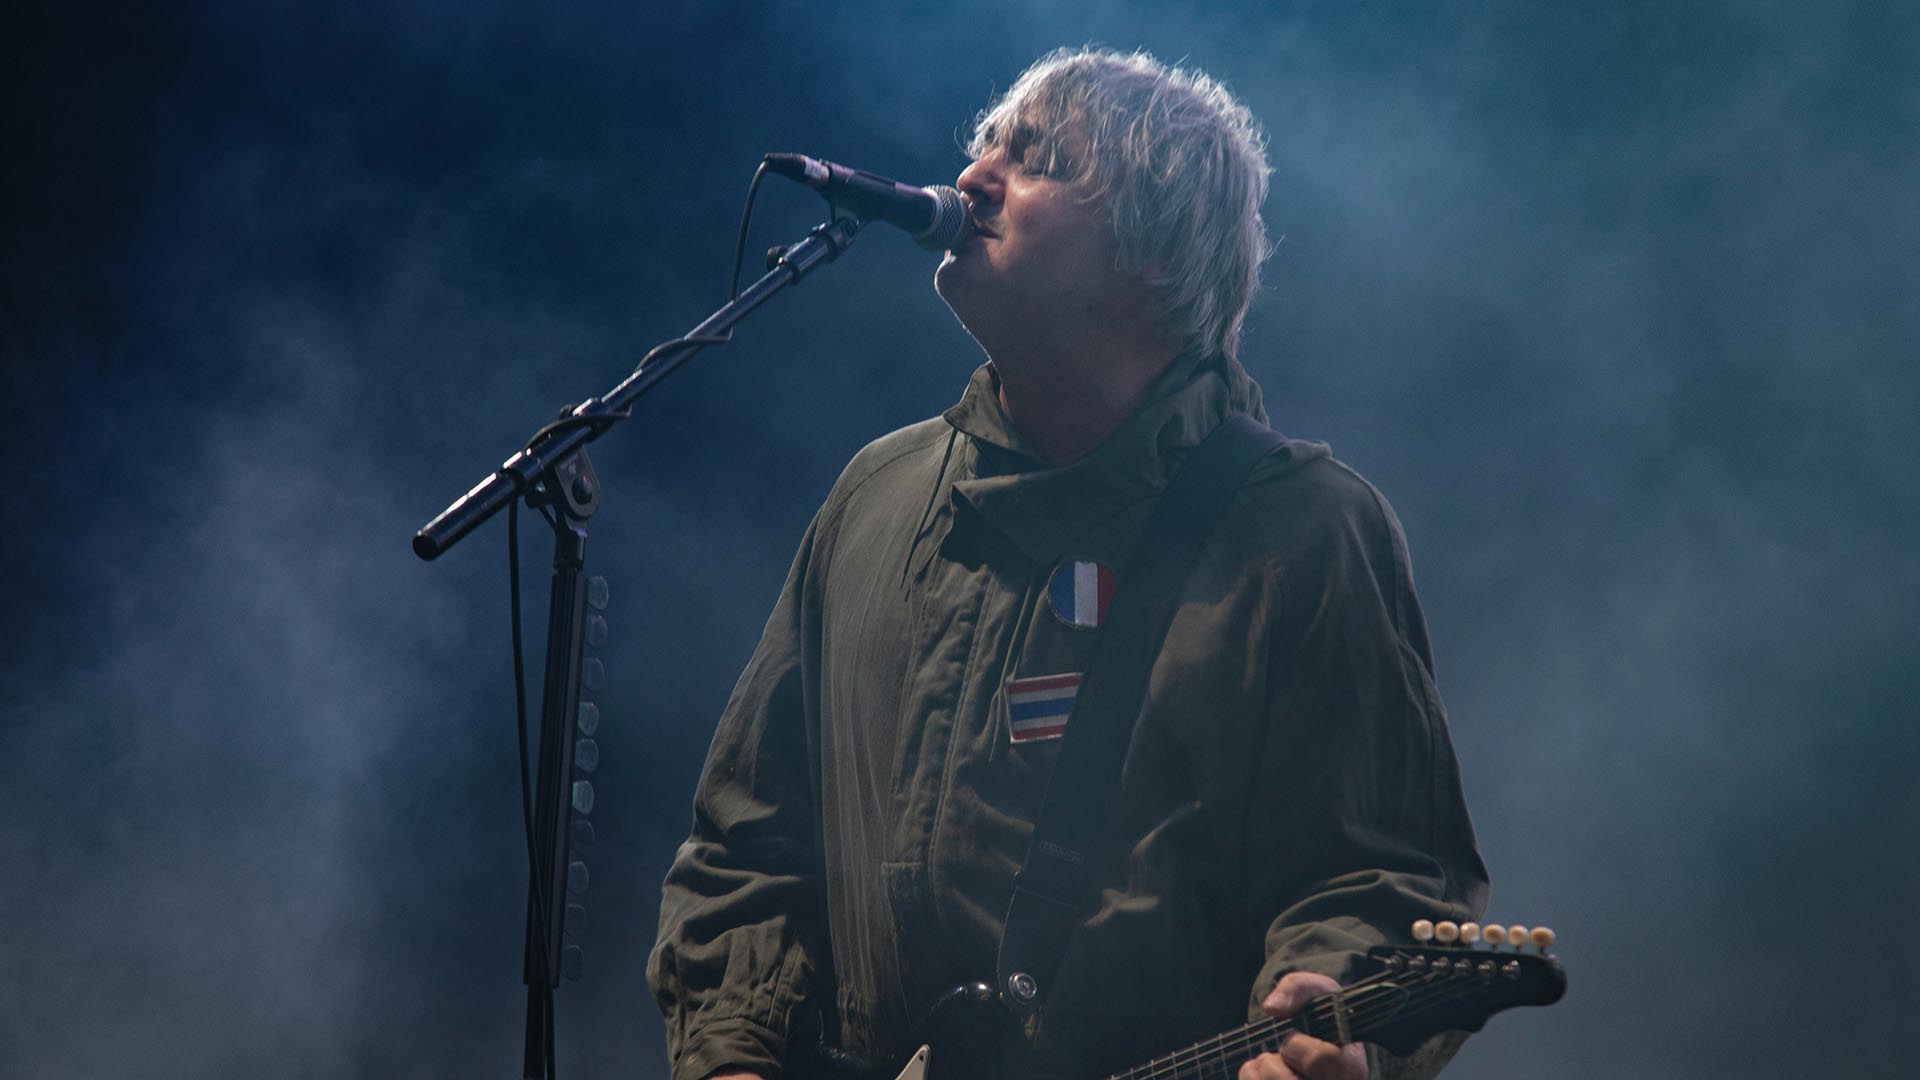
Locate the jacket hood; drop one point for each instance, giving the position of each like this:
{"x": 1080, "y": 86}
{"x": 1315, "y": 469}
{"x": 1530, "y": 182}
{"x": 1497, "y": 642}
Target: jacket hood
{"x": 1044, "y": 508}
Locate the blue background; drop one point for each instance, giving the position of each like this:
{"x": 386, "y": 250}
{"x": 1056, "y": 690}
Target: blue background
{"x": 1616, "y": 302}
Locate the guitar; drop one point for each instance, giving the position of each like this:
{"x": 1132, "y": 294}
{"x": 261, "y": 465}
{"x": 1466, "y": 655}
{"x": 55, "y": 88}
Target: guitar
{"x": 1454, "y": 979}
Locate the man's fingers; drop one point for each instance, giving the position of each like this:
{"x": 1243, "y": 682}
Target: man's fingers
{"x": 1268, "y": 1067}
{"x": 1295, "y": 989}
{"x": 1317, "y": 1059}
{"x": 1303, "y": 1057}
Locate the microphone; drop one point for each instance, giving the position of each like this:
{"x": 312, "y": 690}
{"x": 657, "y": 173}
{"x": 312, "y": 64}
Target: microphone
{"x": 935, "y": 216}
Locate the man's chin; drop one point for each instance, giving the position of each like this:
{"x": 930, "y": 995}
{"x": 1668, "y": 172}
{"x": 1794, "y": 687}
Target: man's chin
{"x": 962, "y": 297}
{"x": 953, "y": 280}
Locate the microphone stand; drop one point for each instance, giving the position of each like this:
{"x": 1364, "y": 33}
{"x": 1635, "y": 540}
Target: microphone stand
{"x": 553, "y": 473}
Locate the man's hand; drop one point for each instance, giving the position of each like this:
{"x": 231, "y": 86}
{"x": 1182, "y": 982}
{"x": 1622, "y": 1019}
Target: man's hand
{"x": 1303, "y": 1057}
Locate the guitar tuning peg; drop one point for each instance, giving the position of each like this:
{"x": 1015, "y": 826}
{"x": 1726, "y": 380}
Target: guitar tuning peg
{"x": 597, "y": 631}
{"x": 597, "y": 593}
{"x": 1469, "y": 933}
{"x": 570, "y": 963}
{"x": 1423, "y": 930}
{"x": 1516, "y": 936}
{"x": 1495, "y": 934}
{"x": 1446, "y": 932}
{"x": 1542, "y": 938}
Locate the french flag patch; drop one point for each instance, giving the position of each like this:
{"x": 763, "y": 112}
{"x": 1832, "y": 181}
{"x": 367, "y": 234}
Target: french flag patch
{"x": 1037, "y": 708}
{"x": 1081, "y": 592}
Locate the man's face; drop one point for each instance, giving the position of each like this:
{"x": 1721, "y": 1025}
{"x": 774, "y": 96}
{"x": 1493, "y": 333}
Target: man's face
{"x": 1041, "y": 264}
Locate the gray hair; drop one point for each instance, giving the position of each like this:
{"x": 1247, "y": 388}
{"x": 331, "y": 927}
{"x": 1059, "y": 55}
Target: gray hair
{"x": 1170, "y": 155}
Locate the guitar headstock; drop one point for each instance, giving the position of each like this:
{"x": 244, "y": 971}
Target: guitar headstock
{"x": 1457, "y": 976}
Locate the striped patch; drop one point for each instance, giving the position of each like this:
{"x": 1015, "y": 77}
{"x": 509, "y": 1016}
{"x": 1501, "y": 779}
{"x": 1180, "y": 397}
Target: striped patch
{"x": 1037, "y": 708}
{"x": 1081, "y": 592}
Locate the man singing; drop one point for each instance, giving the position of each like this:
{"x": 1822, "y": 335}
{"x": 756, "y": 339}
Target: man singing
{"x": 1289, "y": 796}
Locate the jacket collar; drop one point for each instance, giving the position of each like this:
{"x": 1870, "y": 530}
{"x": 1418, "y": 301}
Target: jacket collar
{"x": 1044, "y": 509}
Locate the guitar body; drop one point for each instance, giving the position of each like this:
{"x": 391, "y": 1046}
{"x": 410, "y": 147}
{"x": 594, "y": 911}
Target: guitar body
{"x": 967, "y": 1035}
{"x": 916, "y": 1065}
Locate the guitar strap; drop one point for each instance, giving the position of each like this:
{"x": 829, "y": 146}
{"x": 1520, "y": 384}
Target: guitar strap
{"x": 1052, "y": 892}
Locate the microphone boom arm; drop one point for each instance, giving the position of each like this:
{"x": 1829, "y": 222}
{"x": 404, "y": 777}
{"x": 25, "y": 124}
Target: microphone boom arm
{"x": 588, "y": 420}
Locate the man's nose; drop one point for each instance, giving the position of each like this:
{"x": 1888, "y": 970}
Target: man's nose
{"x": 980, "y": 181}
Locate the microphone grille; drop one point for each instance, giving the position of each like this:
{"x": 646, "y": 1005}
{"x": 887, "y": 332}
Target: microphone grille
{"x": 951, "y": 223}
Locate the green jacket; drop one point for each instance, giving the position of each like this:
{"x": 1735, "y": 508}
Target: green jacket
{"x": 1290, "y": 795}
